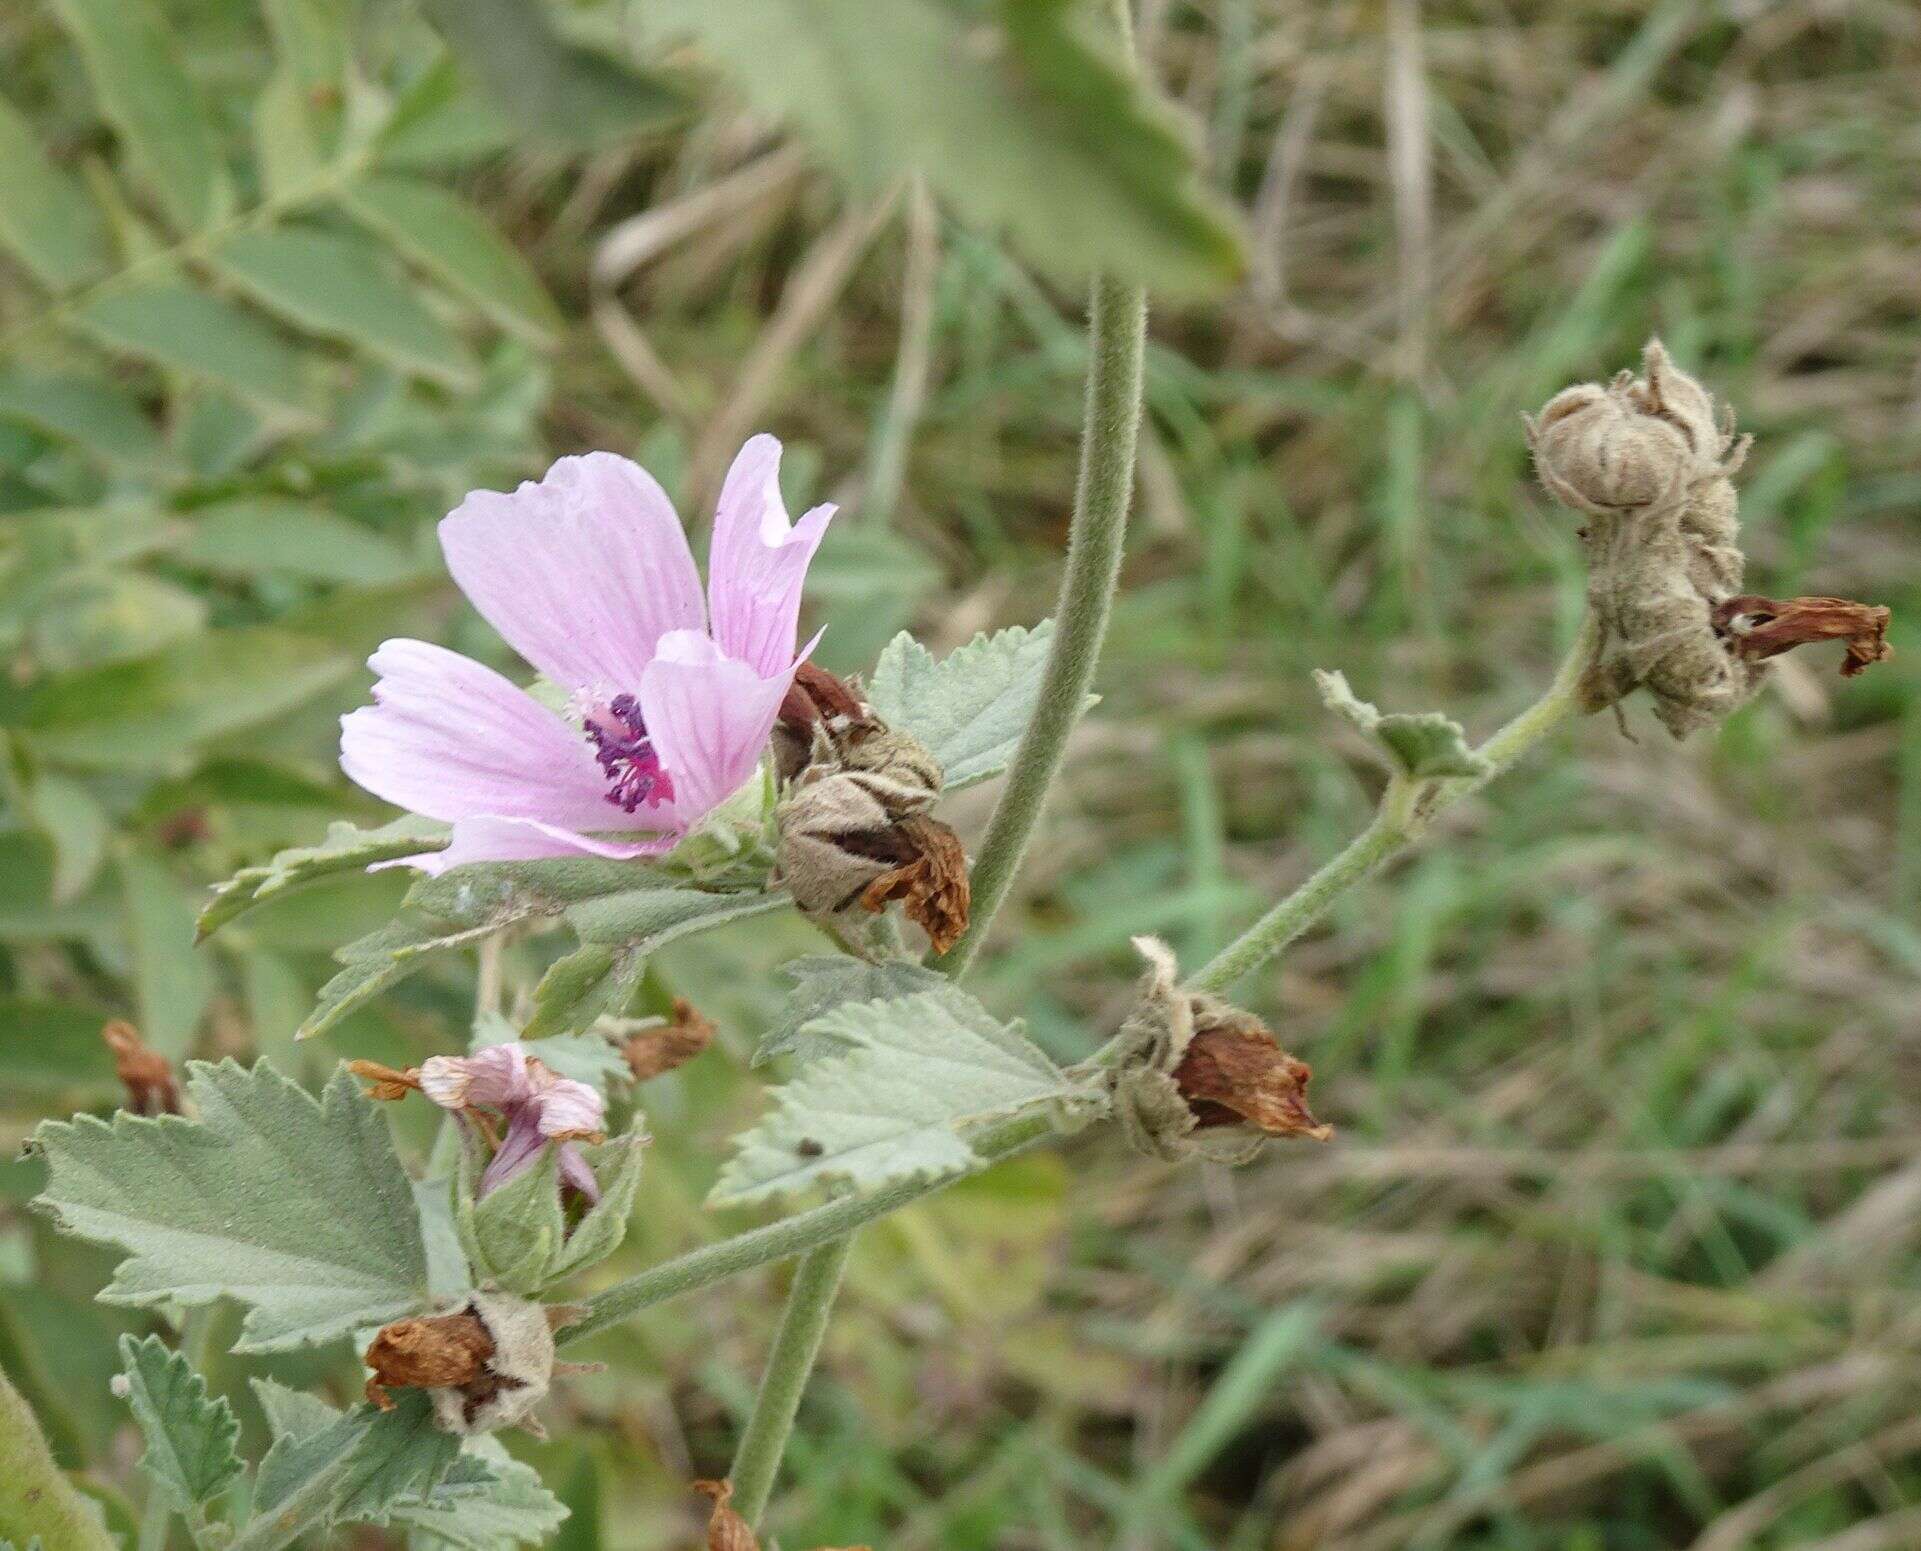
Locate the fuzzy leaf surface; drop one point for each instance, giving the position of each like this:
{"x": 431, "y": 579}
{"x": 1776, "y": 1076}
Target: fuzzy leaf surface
{"x": 1423, "y": 746}
{"x": 824, "y": 981}
{"x": 918, "y": 1073}
{"x": 295, "y": 1206}
{"x": 356, "y": 1468}
{"x": 191, "y": 1436}
{"x": 969, "y": 707}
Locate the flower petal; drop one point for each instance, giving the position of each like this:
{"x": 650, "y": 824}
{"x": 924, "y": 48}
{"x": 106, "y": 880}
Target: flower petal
{"x": 709, "y": 716}
{"x": 569, "y": 1107}
{"x": 492, "y": 838}
{"x": 519, "y": 1150}
{"x": 574, "y": 1171}
{"x": 759, "y": 561}
{"x": 581, "y": 573}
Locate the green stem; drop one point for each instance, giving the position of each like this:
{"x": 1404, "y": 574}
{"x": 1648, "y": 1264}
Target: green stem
{"x": 36, "y": 1498}
{"x": 155, "y": 1520}
{"x": 790, "y": 1236}
{"x": 810, "y": 1303}
{"x": 1110, "y": 428}
{"x": 1405, "y": 812}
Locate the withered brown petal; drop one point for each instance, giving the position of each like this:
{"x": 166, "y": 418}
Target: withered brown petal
{"x": 1757, "y": 627}
{"x": 144, "y": 1072}
{"x": 933, "y": 884}
{"x": 446, "y": 1350}
{"x": 726, "y": 1529}
{"x": 386, "y": 1083}
{"x": 1231, "y": 1076}
{"x": 816, "y": 693}
{"x": 657, "y": 1050}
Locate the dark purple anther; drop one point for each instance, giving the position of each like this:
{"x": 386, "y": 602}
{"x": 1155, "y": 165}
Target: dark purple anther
{"x": 628, "y": 758}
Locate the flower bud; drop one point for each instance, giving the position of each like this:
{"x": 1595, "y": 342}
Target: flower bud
{"x": 1198, "y": 1076}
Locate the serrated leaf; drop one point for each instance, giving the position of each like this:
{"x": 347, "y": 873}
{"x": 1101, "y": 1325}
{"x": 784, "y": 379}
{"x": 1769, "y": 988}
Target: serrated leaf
{"x": 342, "y": 287}
{"x": 142, "y": 712}
{"x": 294, "y": 1206}
{"x": 347, "y": 848}
{"x": 172, "y": 983}
{"x": 918, "y": 1074}
{"x": 47, "y": 220}
{"x": 1423, "y": 746}
{"x": 191, "y": 1435}
{"x": 94, "y": 415}
{"x": 145, "y": 93}
{"x": 565, "y": 93}
{"x": 825, "y": 981}
{"x": 969, "y": 707}
{"x": 356, "y": 1469}
{"x": 1020, "y": 113}
{"x": 374, "y": 964}
{"x": 455, "y": 243}
{"x": 190, "y": 331}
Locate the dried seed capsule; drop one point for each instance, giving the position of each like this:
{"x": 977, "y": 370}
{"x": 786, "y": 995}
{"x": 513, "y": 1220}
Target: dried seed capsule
{"x": 485, "y": 1366}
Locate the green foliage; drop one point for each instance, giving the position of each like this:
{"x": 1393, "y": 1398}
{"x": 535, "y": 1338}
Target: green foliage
{"x": 191, "y": 1436}
{"x": 294, "y": 1206}
{"x": 913, "y": 1076}
{"x": 825, "y": 981}
{"x": 355, "y": 1468}
{"x": 970, "y": 707}
{"x": 1019, "y": 112}
{"x": 1422, "y": 746}
{"x": 347, "y": 849}
{"x": 517, "y": 1236}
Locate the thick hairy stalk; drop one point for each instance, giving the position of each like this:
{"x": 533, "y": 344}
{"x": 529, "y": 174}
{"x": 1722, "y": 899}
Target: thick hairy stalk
{"x": 36, "y": 1498}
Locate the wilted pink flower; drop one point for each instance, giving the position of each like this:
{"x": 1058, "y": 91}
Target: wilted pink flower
{"x": 587, "y": 575}
{"x": 539, "y": 1107}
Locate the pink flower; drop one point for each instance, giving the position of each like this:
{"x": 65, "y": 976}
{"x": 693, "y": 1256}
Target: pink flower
{"x": 587, "y": 575}
{"x": 538, "y": 1106}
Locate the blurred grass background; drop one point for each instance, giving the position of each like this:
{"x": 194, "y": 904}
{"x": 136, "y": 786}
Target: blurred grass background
{"x": 1617, "y": 1245}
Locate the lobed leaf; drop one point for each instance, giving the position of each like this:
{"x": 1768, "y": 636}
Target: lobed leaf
{"x": 918, "y": 1073}
{"x": 824, "y": 981}
{"x": 191, "y": 1436}
{"x": 1423, "y": 746}
{"x": 347, "y": 848}
{"x": 294, "y": 1206}
{"x": 970, "y": 707}
{"x": 356, "y": 1468}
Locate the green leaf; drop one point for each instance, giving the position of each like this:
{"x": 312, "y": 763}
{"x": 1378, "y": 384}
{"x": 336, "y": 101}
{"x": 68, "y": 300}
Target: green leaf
{"x": 970, "y": 707}
{"x": 599, "y": 1232}
{"x": 94, "y": 415}
{"x": 172, "y": 982}
{"x": 376, "y": 963}
{"x": 286, "y": 138}
{"x": 186, "y": 330}
{"x": 917, "y": 1074}
{"x": 90, "y": 619}
{"x": 191, "y": 1436}
{"x": 75, "y": 825}
{"x": 294, "y": 1206}
{"x": 51, "y": 1052}
{"x": 1018, "y": 112}
{"x": 1422, "y": 747}
{"x": 144, "y": 91}
{"x": 453, "y": 242}
{"x": 142, "y": 712}
{"x": 47, "y": 220}
{"x": 618, "y": 933}
{"x": 354, "y": 1469}
{"x": 269, "y": 537}
{"x": 502, "y": 892}
{"x": 568, "y": 94}
{"x": 824, "y": 981}
{"x": 346, "y": 849}
{"x": 342, "y": 287}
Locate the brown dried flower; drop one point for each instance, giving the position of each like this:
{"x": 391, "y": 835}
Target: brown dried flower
{"x": 664, "y": 1046}
{"x": 726, "y": 1529}
{"x": 933, "y": 882}
{"x": 1197, "y": 1075}
{"x": 485, "y": 1365}
{"x": 444, "y": 1350}
{"x": 1756, "y": 628}
{"x": 147, "y": 1075}
{"x": 386, "y": 1083}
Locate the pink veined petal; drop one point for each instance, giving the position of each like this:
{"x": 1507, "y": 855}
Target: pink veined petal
{"x": 758, "y": 562}
{"x": 491, "y": 838}
{"x": 709, "y": 716}
{"x": 445, "y": 1080}
{"x": 569, "y": 1106}
{"x": 575, "y": 1171}
{"x": 580, "y": 573}
{"x": 519, "y": 1150}
{"x": 498, "y": 1077}
{"x": 453, "y": 739}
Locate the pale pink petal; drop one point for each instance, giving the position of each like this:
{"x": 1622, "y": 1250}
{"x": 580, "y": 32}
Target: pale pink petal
{"x": 452, "y": 739}
{"x": 580, "y": 573}
{"x": 759, "y": 561}
{"x": 498, "y": 1076}
{"x": 519, "y": 1150}
{"x": 569, "y": 1107}
{"x": 575, "y": 1171}
{"x": 445, "y": 1080}
{"x": 709, "y": 716}
{"x": 491, "y": 838}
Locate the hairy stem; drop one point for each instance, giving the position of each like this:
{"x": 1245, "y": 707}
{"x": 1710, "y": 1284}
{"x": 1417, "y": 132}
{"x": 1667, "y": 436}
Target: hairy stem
{"x": 1404, "y": 814}
{"x": 810, "y": 1302}
{"x": 1118, "y": 330}
{"x": 36, "y": 1498}
{"x": 790, "y": 1236}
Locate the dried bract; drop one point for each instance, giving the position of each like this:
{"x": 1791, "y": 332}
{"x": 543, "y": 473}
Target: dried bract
{"x": 726, "y": 1529}
{"x": 933, "y": 884}
{"x": 1198, "y": 1076}
{"x": 485, "y": 1365}
{"x": 437, "y": 1352}
{"x": 664, "y": 1046}
{"x": 1756, "y": 628}
{"x": 147, "y": 1075}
